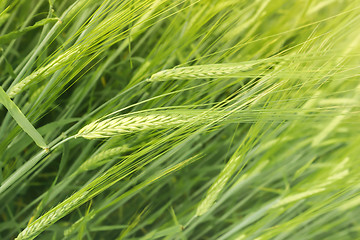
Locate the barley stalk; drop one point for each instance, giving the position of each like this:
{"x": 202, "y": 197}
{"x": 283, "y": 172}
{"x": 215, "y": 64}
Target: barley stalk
{"x": 38, "y": 226}
{"x": 122, "y": 125}
{"x": 203, "y": 71}
{"x": 71, "y": 230}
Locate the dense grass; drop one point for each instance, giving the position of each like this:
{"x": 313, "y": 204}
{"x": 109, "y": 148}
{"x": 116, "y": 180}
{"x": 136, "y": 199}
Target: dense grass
{"x": 182, "y": 119}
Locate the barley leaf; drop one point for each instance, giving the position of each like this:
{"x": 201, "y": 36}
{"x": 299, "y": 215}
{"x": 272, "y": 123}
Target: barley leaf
{"x": 15, "y": 34}
{"x": 21, "y": 119}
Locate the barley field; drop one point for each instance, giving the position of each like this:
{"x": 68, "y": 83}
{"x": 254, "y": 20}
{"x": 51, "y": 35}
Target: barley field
{"x": 180, "y": 119}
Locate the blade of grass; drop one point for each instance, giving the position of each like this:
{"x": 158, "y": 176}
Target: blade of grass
{"x": 21, "y": 119}
{"x": 15, "y": 34}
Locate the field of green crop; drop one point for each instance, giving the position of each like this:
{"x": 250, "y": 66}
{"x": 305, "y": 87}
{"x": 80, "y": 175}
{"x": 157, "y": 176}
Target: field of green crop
{"x": 180, "y": 119}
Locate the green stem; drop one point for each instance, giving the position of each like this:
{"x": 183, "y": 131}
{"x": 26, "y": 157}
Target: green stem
{"x": 19, "y": 173}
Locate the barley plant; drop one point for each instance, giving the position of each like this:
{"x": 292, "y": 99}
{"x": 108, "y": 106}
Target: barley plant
{"x": 180, "y": 119}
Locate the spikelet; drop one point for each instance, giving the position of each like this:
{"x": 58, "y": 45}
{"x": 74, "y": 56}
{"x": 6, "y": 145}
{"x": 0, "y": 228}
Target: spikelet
{"x": 38, "y": 226}
{"x": 122, "y": 125}
{"x": 45, "y": 71}
{"x": 203, "y": 71}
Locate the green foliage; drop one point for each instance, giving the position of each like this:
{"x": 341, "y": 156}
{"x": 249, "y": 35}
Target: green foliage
{"x": 181, "y": 119}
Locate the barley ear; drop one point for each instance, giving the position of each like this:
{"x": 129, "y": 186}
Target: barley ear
{"x": 135, "y": 123}
{"x": 49, "y": 218}
{"x": 101, "y": 158}
{"x": 44, "y": 72}
{"x": 202, "y": 71}
{"x": 218, "y": 185}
